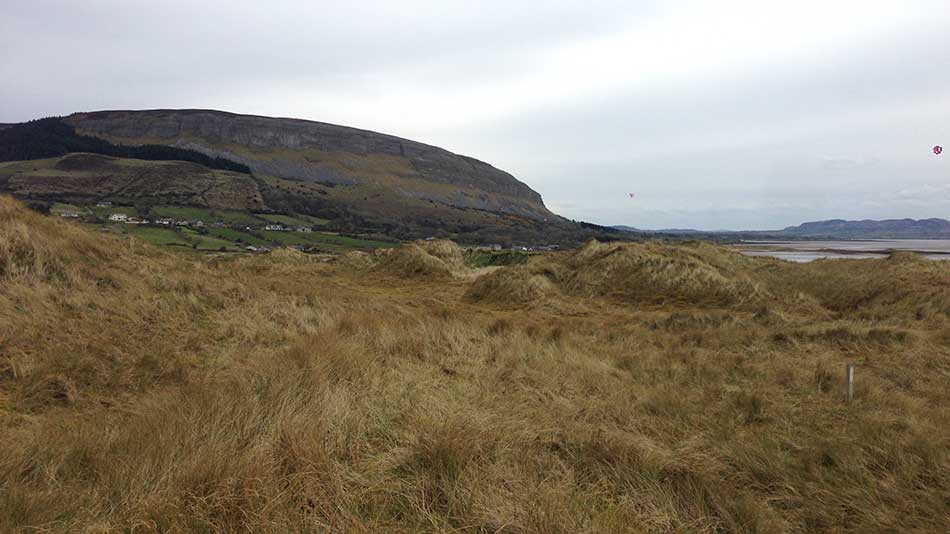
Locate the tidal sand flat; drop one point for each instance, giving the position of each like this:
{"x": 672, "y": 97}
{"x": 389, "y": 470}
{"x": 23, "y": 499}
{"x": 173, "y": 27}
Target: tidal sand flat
{"x": 805, "y": 251}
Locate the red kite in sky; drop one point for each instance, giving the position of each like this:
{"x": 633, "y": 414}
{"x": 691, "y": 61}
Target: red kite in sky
{"x": 938, "y": 149}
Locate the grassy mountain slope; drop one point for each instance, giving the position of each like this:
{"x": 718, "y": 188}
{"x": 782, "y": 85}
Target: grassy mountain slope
{"x": 310, "y": 167}
{"x": 87, "y": 178}
{"x": 690, "y": 390}
{"x": 226, "y": 202}
{"x": 363, "y": 182}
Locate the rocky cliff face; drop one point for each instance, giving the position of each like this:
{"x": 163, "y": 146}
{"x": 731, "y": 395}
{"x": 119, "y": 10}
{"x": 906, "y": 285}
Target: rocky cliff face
{"x": 299, "y": 150}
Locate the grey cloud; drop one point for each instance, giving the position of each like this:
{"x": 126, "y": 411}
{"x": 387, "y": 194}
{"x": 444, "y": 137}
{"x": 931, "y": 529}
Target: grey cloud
{"x": 844, "y": 133}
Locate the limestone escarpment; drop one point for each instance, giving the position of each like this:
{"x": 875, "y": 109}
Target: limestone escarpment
{"x": 300, "y": 150}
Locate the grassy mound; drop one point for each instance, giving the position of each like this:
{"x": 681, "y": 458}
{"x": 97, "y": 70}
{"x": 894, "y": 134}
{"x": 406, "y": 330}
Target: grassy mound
{"x": 290, "y": 255}
{"x": 422, "y": 259}
{"x": 445, "y": 250}
{"x": 35, "y": 248}
{"x": 901, "y": 286}
{"x": 357, "y": 260}
{"x": 654, "y": 273}
{"x": 511, "y": 286}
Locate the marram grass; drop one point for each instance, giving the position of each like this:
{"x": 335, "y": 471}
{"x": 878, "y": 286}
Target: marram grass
{"x": 617, "y": 388}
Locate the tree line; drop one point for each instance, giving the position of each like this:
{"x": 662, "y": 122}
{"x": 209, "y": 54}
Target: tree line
{"x": 51, "y": 137}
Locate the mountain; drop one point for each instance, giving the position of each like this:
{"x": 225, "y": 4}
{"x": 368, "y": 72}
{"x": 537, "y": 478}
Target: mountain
{"x": 677, "y": 231}
{"x": 314, "y": 152}
{"x": 360, "y": 180}
{"x": 871, "y": 229}
{"x": 830, "y": 229}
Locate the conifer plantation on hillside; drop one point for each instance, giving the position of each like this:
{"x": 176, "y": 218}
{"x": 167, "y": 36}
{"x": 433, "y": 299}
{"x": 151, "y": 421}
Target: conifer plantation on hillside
{"x": 51, "y": 137}
{"x": 612, "y": 388}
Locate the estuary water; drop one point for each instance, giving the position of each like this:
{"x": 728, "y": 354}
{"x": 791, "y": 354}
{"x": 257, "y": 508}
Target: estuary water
{"x": 804, "y": 251}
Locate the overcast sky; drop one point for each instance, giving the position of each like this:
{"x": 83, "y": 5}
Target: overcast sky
{"x": 717, "y": 114}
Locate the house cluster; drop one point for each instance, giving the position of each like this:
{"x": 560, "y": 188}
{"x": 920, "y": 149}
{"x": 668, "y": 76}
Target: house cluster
{"x": 126, "y": 219}
{"x": 131, "y": 219}
{"x": 173, "y": 222}
{"x": 265, "y": 250}
{"x": 485, "y": 248}
{"x": 282, "y": 228}
{"x": 536, "y": 248}
{"x": 167, "y": 221}
{"x": 547, "y": 248}
{"x": 516, "y": 248}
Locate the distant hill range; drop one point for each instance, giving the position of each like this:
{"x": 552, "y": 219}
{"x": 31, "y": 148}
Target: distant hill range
{"x": 361, "y": 181}
{"x": 830, "y": 229}
{"x": 680, "y": 231}
{"x": 870, "y": 229}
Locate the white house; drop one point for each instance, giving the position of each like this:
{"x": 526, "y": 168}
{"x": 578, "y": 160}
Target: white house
{"x": 275, "y": 227}
{"x": 119, "y": 217}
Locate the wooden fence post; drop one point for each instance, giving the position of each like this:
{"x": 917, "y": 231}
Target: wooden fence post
{"x": 850, "y": 376}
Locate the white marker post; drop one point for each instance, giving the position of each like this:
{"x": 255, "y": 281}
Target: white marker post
{"x": 850, "y": 371}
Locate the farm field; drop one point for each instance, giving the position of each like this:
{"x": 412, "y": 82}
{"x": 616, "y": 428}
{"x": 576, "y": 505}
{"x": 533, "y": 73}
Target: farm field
{"x": 231, "y": 240}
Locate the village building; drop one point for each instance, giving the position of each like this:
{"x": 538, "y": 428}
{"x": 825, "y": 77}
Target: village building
{"x": 118, "y": 217}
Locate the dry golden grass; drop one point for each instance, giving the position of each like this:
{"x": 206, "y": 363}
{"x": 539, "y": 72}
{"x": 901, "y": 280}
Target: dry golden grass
{"x": 422, "y": 259}
{"x": 697, "y": 273}
{"x": 513, "y": 286}
{"x": 148, "y": 391}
